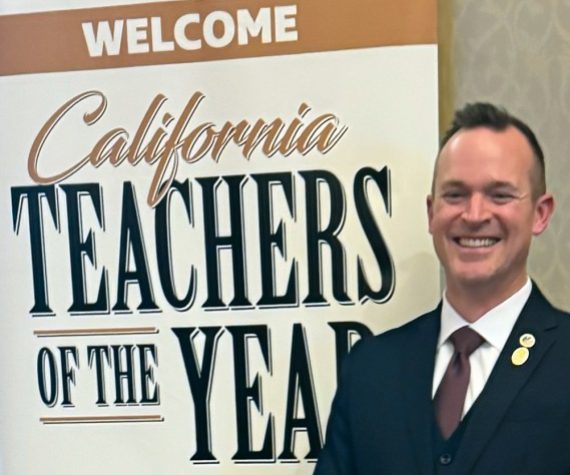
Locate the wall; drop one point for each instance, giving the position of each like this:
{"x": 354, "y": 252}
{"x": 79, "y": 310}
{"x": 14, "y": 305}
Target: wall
{"x": 516, "y": 53}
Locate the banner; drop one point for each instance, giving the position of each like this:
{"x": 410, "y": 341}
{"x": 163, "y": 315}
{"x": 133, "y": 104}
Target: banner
{"x": 204, "y": 205}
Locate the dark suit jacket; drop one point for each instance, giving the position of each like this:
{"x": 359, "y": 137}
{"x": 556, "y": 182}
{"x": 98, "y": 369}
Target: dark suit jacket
{"x": 382, "y": 418}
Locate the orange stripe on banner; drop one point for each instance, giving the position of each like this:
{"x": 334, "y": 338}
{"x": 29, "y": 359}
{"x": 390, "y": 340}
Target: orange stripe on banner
{"x": 100, "y": 419}
{"x": 189, "y": 31}
{"x": 96, "y": 332}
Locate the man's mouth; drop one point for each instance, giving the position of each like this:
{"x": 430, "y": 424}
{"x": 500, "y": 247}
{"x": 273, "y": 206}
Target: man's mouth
{"x": 476, "y": 242}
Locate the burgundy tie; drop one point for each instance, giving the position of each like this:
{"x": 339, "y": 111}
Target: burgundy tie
{"x": 450, "y": 395}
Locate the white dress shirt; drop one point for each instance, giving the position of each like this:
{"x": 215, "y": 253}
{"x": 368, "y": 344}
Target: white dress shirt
{"x": 495, "y": 327}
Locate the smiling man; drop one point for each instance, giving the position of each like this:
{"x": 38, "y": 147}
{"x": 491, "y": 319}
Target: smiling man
{"x": 480, "y": 385}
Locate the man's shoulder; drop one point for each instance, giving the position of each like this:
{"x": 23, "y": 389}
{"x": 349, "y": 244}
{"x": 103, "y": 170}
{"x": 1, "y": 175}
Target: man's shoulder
{"x": 417, "y": 326}
{"x": 420, "y": 330}
{"x": 562, "y": 318}
{"x": 538, "y": 302}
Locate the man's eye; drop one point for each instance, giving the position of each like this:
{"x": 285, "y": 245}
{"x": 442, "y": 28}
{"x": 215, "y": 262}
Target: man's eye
{"x": 453, "y": 196}
{"x": 501, "y": 197}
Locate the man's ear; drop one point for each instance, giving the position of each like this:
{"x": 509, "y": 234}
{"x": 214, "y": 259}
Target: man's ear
{"x": 543, "y": 209}
{"x": 429, "y": 206}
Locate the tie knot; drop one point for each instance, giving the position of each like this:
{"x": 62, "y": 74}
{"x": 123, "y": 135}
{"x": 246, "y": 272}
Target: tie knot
{"x": 466, "y": 341}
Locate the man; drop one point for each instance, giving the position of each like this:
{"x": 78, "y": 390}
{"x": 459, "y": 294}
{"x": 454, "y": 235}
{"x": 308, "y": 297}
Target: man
{"x": 414, "y": 400}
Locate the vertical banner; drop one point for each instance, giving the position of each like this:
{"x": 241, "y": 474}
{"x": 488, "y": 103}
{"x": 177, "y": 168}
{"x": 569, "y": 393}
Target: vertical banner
{"x": 204, "y": 205}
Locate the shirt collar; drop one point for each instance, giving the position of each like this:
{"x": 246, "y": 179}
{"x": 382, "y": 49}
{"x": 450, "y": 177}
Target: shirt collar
{"x": 494, "y": 326}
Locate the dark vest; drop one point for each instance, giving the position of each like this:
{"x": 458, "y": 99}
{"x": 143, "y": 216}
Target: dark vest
{"x": 444, "y": 451}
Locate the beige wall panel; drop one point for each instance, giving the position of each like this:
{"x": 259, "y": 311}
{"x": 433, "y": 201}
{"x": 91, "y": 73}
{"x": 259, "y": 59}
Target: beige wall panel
{"x": 517, "y": 53}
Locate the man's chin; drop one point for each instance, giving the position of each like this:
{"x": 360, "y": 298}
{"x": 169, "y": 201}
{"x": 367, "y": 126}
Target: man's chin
{"x": 474, "y": 279}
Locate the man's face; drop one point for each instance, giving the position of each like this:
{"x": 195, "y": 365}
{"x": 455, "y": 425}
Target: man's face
{"x": 482, "y": 214}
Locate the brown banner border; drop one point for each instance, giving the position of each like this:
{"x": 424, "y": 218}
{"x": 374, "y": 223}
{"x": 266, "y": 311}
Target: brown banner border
{"x": 54, "y": 41}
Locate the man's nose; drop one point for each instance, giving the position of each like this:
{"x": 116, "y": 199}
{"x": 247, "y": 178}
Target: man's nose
{"x": 476, "y": 209}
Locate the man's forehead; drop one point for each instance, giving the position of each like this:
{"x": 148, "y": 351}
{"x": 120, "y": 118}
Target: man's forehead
{"x": 481, "y": 145}
{"x": 490, "y": 155}
{"x": 487, "y": 140}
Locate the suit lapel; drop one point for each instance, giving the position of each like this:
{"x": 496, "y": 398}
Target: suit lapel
{"x": 417, "y": 385}
{"x": 506, "y": 380}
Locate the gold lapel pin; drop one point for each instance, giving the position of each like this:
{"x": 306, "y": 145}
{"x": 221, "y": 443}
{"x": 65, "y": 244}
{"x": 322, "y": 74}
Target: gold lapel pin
{"x": 520, "y": 356}
{"x": 527, "y": 340}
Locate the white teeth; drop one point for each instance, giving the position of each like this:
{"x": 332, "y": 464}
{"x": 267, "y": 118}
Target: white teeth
{"x": 477, "y": 242}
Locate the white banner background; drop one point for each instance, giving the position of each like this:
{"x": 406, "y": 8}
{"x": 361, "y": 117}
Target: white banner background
{"x": 387, "y": 99}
